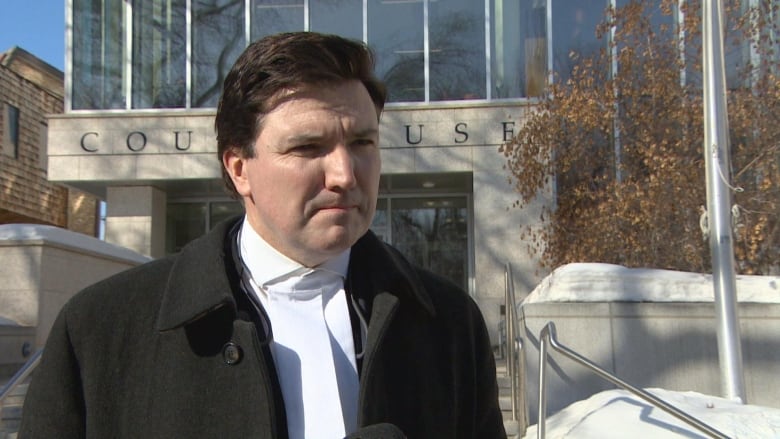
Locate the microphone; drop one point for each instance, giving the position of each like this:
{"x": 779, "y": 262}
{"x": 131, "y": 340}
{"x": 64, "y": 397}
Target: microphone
{"x": 378, "y": 431}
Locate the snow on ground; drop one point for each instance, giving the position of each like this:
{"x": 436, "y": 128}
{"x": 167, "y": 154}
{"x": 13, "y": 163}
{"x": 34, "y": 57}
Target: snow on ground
{"x": 621, "y": 414}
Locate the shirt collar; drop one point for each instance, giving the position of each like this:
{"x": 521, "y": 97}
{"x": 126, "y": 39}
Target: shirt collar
{"x": 201, "y": 279}
{"x": 268, "y": 266}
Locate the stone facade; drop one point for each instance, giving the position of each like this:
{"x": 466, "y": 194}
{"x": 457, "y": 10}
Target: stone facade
{"x": 35, "y": 90}
{"x": 138, "y": 159}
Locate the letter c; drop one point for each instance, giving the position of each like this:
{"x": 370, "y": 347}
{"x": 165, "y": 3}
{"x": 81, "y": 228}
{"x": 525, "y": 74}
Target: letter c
{"x": 84, "y": 145}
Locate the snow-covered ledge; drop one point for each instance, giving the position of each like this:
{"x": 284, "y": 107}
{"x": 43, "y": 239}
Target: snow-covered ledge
{"x": 595, "y": 282}
{"x": 37, "y": 234}
{"x": 653, "y": 328}
{"x": 42, "y": 267}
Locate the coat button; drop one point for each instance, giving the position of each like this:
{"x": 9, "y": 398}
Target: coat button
{"x": 232, "y": 353}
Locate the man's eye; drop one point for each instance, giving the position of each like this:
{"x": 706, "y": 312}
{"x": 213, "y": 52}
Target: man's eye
{"x": 363, "y": 142}
{"x": 308, "y": 149}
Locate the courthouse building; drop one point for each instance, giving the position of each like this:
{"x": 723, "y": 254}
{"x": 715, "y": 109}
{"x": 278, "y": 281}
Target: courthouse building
{"x": 143, "y": 79}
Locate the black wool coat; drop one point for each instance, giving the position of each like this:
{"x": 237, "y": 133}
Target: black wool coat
{"x": 170, "y": 350}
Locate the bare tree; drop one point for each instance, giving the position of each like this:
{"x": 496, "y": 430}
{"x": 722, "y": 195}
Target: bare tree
{"x": 623, "y": 147}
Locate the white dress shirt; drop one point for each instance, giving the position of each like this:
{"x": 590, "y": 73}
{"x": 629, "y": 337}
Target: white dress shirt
{"x": 313, "y": 346}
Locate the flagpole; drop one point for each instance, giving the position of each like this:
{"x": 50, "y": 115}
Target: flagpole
{"x": 719, "y": 201}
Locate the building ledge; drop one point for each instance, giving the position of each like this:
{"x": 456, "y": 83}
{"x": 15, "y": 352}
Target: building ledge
{"x": 35, "y": 234}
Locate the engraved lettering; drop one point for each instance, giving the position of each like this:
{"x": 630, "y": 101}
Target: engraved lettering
{"x": 84, "y": 145}
{"x": 509, "y": 130}
{"x": 460, "y": 128}
{"x": 189, "y": 141}
{"x": 409, "y": 135}
{"x": 136, "y": 146}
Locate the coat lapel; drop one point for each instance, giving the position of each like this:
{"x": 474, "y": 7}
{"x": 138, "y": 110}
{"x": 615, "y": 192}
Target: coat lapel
{"x": 200, "y": 280}
{"x": 375, "y": 267}
{"x": 386, "y": 286}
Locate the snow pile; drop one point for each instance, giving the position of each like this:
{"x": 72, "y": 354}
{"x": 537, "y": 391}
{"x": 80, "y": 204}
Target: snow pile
{"x": 620, "y": 414}
{"x": 594, "y": 282}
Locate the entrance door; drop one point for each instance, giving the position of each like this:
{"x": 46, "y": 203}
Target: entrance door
{"x": 431, "y": 231}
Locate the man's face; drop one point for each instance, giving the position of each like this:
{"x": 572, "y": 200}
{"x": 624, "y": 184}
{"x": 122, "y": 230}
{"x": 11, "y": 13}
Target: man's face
{"x": 311, "y": 189}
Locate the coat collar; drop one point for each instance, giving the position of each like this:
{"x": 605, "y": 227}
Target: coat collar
{"x": 203, "y": 277}
{"x": 201, "y": 280}
{"x": 379, "y": 268}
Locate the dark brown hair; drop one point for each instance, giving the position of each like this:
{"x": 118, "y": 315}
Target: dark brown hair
{"x": 279, "y": 62}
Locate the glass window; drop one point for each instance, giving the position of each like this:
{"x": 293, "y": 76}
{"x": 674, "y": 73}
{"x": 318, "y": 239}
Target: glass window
{"x": 159, "y": 54}
{"x": 739, "y": 55}
{"x": 457, "y": 50}
{"x": 98, "y": 61}
{"x": 433, "y": 233}
{"x": 185, "y": 222}
{"x": 190, "y": 220}
{"x": 453, "y": 68}
{"x": 379, "y": 224}
{"x": 217, "y": 41}
{"x": 664, "y": 42}
{"x": 518, "y": 42}
{"x": 11, "y": 131}
{"x": 340, "y": 17}
{"x": 220, "y": 211}
{"x": 395, "y": 33}
{"x": 274, "y": 16}
{"x": 43, "y": 150}
{"x": 574, "y": 30}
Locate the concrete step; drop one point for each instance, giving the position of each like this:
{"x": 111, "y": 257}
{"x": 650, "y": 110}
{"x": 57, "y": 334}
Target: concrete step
{"x": 10, "y": 418}
{"x": 17, "y": 395}
{"x": 11, "y": 412}
{"x": 512, "y": 428}
{"x": 505, "y": 402}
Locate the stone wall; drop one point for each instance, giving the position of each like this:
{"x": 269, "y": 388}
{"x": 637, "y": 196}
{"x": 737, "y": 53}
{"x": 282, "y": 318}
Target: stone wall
{"x": 43, "y": 267}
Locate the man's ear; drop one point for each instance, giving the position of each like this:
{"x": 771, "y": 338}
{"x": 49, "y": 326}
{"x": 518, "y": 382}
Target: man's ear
{"x": 234, "y": 164}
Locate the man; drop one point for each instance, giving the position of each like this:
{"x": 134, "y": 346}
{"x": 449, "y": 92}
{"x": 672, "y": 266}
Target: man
{"x": 293, "y": 321}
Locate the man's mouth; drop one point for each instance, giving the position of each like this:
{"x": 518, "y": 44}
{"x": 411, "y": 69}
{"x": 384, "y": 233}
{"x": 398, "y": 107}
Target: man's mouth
{"x": 339, "y": 207}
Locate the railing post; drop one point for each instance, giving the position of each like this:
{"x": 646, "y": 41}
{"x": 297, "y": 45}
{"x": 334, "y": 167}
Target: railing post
{"x": 511, "y": 336}
{"x": 541, "y": 423}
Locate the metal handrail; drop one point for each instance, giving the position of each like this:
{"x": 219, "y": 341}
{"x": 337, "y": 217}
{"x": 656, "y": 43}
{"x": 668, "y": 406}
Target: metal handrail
{"x": 548, "y": 337}
{"x": 20, "y": 375}
{"x": 511, "y": 336}
{"x": 514, "y": 354}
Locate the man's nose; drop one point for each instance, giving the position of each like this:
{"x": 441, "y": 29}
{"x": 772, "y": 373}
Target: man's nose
{"x": 340, "y": 169}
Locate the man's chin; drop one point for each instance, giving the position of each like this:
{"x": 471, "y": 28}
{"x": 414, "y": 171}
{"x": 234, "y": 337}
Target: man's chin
{"x": 336, "y": 239}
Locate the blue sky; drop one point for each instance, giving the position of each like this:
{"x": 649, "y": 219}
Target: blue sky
{"x": 37, "y": 26}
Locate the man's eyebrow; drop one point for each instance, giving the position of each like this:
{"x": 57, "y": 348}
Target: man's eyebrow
{"x": 302, "y": 139}
{"x": 305, "y": 138}
{"x": 368, "y": 132}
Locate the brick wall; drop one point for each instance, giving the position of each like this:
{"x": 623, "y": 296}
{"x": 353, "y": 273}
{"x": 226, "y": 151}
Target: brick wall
{"x": 25, "y": 194}
{"x": 82, "y": 212}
